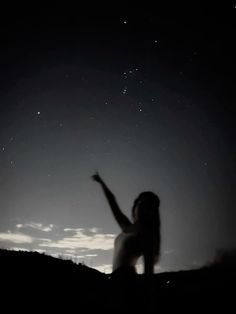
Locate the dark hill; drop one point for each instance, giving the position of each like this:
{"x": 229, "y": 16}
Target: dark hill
{"x": 56, "y": 284}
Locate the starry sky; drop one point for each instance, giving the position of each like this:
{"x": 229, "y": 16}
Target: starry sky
{"x": 146, "y": 99}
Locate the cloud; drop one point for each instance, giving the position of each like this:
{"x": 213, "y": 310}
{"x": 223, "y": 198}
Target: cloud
{"x": 104, "y": 268}
{"x": 66, "y": 256}
{"x": 26, "y": 250}
{"x": 82, "y": 239}
{"x": 71, "y": 251}
{"x": 37, "y": 226}
{"x": 85, "y": 245}
{"x": 39, "y": 251}
{"x": 15, "y": 237}
{"x": 19, "y": 249}
{"x": 95, "y": 230}
{"x": 45, "y": 240}
{"x": 73, "y": 229}
{"x": 87, "y": 230}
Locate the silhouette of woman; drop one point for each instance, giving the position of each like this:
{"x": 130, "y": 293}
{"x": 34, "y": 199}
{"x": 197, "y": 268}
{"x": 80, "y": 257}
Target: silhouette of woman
{"x": 141, "y": 237}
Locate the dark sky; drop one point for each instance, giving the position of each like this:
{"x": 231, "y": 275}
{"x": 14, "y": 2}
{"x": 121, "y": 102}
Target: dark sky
{"x": 145, "y": 98}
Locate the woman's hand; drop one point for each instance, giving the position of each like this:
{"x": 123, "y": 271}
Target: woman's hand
{"x": 96, "y": 177}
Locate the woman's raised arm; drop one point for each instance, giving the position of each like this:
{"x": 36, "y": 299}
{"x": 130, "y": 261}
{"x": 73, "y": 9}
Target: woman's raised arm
{"x": 121, "y": 219}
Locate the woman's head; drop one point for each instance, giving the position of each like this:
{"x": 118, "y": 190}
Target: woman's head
{"x": 146, "y": 208}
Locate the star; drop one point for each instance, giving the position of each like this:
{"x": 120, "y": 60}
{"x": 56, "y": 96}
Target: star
{"x": 124, "y": 90}
{"x": 38, "y": 113}
{"x": 124, "y": 22}
{"x": 3, "y": 149}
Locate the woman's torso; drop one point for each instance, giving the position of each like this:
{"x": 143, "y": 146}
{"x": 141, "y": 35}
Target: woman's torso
{"x": 127, "y": 249}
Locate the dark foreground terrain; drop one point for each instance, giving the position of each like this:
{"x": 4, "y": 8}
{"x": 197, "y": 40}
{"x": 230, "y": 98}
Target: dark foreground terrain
{"x": 33, "y": 282}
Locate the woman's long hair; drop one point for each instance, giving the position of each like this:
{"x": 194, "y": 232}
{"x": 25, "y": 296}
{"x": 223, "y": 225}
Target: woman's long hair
{"x": 149, "y": 219}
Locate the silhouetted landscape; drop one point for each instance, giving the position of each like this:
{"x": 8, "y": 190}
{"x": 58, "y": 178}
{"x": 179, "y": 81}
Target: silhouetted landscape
{"x": 54, "y": 283}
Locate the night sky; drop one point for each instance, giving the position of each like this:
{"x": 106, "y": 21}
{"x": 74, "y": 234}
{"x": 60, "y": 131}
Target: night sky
{"x": 146, "y": 99}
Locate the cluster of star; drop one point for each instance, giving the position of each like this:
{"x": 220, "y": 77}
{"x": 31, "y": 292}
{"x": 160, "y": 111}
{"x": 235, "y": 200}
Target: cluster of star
{"x": 131, "y": 77}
